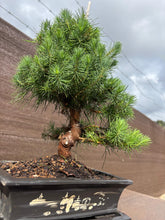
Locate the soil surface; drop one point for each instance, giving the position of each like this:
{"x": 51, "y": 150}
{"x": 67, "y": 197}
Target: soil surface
{"x": 51, "y": 167}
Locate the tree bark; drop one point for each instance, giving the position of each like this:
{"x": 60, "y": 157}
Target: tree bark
{"x": 68, "y": 140}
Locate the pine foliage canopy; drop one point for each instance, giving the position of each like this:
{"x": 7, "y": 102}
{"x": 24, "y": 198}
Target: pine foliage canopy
{"x": 73, "y": 69}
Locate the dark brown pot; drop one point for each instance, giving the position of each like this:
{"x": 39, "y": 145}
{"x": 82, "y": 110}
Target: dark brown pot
{"x": 51, "y": 199}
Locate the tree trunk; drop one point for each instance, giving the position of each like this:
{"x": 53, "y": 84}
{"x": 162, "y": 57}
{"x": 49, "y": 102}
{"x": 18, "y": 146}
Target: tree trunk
{"x": 68, "y": 140}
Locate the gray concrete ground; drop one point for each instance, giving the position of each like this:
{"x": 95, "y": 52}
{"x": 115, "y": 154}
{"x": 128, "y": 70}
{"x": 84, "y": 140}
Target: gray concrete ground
{"x": 139, "y": 206}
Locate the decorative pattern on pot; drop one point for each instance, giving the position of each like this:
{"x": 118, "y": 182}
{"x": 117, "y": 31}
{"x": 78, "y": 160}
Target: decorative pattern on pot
{"x": 71, "y": 202}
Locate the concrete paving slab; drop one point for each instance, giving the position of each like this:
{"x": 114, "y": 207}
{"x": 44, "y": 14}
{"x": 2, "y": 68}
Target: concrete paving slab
{"x": 139, "y": 206}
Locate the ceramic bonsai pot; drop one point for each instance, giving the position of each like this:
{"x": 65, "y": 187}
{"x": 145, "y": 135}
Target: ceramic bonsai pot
{"x": 51, "y": 199}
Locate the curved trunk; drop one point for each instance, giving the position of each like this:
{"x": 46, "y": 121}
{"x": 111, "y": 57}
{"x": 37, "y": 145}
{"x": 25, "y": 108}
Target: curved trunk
{"x": 68, "y": 139}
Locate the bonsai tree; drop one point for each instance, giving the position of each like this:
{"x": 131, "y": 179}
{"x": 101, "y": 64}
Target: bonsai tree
{"x": 72, "y": 69}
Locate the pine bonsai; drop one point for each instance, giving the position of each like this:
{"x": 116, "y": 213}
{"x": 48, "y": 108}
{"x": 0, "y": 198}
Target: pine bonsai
{"x": 73, "y": 70}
